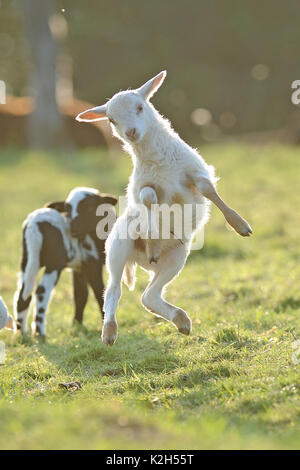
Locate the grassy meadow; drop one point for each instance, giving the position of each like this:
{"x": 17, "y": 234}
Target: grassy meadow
{"x": 232, "y": 384}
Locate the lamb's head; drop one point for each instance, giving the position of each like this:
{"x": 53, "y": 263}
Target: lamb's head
{"x": 129, "y": 112}
{"x": 81, "y": 208}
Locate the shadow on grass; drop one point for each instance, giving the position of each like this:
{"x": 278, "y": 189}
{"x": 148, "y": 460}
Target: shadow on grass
{"x": 82, "y": 353}
{"x": 287, "y": 303}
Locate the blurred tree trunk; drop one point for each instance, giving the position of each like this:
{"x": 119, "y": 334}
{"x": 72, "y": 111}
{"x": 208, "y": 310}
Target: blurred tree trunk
{"x": 46, "y": 125}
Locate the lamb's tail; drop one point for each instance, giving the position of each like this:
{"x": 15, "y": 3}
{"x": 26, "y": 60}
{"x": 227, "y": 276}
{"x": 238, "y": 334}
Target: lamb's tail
{"x": 129, "y": 275}
{"x": 32, "y": 243}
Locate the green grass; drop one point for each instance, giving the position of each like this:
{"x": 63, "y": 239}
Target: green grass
{"x": 231, "y": 384}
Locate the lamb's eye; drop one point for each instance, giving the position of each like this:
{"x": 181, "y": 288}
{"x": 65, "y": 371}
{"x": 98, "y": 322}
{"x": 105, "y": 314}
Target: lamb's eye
{"x": 139, "y": 109}
{"x": 112, "y": 121}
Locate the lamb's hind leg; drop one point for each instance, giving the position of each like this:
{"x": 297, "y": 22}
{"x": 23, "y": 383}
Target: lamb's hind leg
{"x": 21, "y": 307}
{"x": 43, "y": 294}
{"x": 118, "y": 251}
{"x": 168, "y": 267}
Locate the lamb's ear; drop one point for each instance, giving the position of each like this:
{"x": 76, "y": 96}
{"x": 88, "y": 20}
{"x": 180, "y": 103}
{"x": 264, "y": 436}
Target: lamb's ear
{"x": 108, "y": 199}
{"x": 93, "y": 114}
{"x": 149, "y": 88}
{"x": 60, "y": 206}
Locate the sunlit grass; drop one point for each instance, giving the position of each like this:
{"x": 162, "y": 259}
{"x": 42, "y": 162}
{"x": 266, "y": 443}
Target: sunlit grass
{"x": 231, "y": 384}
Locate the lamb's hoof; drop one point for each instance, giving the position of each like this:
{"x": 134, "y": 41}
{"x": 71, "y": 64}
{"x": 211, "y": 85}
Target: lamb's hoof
{"x": 36, "y": 333}
{"x": 153, "y": 259}
{"x": 247, "y": 230}
{"x": 182, "y": 322}
{"x": 239, "y": 224}
{"x": 243, "y": 228}
{"x": 109, "y": 333}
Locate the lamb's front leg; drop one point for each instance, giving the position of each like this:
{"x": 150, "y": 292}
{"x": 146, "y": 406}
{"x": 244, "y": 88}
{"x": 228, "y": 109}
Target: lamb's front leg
{"x": 117, "y": 254}
{"x": 206, "y": 187}
{"x": 148, "y": 197}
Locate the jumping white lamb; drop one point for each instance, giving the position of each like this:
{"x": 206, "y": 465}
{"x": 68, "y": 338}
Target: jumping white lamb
{"x": 167, "y": 171}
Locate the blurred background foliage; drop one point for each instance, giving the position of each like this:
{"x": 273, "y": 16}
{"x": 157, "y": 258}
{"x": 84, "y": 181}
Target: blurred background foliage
{"x": 230, "y": 64}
